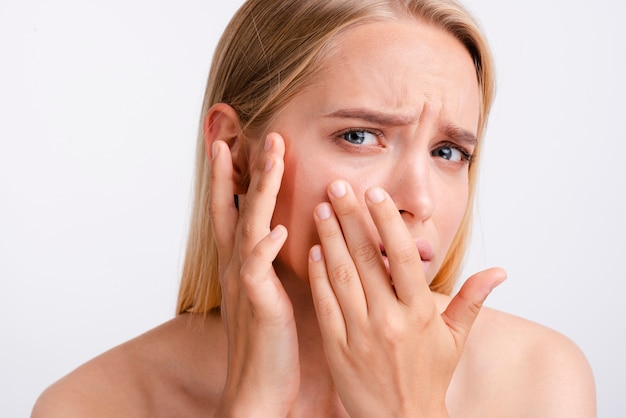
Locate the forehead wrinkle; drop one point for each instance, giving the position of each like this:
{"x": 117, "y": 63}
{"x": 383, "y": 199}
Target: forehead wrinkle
{"x": 375, "y": 116}
{"x": 458, "y": 133}
{"x": 415, "y": 92}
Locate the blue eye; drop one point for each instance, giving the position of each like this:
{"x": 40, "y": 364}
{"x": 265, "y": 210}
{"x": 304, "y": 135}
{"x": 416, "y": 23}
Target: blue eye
{"x": 450, "y": 153}
{"x": 360, "y": 137}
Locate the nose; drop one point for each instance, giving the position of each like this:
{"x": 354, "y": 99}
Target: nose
{"x": 410, "y": 187}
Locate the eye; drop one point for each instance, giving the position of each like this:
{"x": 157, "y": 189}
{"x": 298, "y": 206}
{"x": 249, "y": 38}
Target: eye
{"x": 452, "y": 153}
{"x": 360, "y": 137}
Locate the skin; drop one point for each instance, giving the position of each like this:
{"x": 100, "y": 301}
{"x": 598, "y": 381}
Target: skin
{"x": 403, "y": 118}
{"x": 316, "y": 320}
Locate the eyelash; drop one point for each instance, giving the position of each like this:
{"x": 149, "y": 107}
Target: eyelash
{"x": 466, "y": 155}
{"x": 342, "y": 134}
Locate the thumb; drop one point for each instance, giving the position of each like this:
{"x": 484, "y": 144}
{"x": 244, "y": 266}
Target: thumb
{"x": 465, "y": 306}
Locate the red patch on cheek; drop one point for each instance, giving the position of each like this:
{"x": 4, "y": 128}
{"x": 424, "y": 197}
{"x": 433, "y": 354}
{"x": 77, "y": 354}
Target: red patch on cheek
{"x": 301, "y": 190}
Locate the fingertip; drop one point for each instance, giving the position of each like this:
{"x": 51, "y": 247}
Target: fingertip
{"x": 338, "y": 189}
{"x": 323, "y": 211}
{"x": 375, "y": 195}
{"x": 279, "y": 232}
{"x": 275, "y": 141}
{"x": 268, "y": 143}
{"x": 315, "y": 253}
{"x": 467, "y": 303}
{"x": 498, "y": 276}
{"x": 214, "y": 150}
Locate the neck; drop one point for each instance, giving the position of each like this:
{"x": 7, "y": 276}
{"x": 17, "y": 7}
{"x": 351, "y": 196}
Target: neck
{"x": 317, "y": 390}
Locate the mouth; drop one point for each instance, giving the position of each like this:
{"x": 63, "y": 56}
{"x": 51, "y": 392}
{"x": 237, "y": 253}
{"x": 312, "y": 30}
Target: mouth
{"x": 423, "y": 247}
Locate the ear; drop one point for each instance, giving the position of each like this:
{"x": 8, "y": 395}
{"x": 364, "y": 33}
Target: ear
{"x": 221, "y": 123}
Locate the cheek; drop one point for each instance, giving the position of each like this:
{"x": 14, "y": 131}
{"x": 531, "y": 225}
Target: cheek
{"x": 452, "y": 208}
{"x": 302, "y": 188}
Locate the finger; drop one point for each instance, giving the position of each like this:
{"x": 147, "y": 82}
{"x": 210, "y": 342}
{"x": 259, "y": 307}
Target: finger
{"x": 263, "y": 288}
{"x": 257, "y": 207}
{"x": 405, "y": 264}
{"x": 329, "y": 315}
{"x": 465, "y": 306}
{"x": 363, "y": 246}
{"x": 222, "y": 210}
{"x": 339, "y": 266}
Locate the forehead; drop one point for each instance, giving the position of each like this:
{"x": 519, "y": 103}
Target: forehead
{"x": 400, "y": 66}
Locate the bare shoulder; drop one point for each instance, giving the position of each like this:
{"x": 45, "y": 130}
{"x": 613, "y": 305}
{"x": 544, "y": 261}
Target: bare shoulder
{"x": 534, "y": 371}
{"x": 102, "y": 387}
{"x": 155, "y": 374}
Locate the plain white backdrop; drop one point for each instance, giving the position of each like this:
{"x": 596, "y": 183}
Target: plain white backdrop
{"x": 99, "y": 104}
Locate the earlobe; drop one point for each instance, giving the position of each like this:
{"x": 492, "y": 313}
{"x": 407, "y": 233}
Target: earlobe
{"x": 221, "y": 123}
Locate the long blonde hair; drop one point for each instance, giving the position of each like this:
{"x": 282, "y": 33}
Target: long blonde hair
{"x": 270, "y": 51}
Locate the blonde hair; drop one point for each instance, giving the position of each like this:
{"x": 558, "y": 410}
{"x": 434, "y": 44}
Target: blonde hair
{"x": 269, "y": 52}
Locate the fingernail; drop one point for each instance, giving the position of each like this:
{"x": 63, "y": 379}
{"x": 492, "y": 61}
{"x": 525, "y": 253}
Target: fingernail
{"x": 375, "y": 195}
{"x": 214, "y": 151}
{"x": 276, "y": 233}
{"x": 323, "y": 211}
{"x": 268, "y": 143}
{"x": 338, "y": 189}
{"x": 269, "y": 163}
{"x": 316, "y": 253}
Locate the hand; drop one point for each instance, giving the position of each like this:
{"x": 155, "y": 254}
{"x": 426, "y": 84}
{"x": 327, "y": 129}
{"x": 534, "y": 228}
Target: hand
{"x": 391, "y": 353}
{"x": 263, "y": 364}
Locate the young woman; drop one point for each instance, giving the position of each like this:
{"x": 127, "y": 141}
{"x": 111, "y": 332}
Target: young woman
{"x": 337, "y": 160}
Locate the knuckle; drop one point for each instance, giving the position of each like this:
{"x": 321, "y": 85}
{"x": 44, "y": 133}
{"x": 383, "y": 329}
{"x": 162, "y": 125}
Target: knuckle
{"x": 326, "y": 306}
{"x": 347, "y": 210}
{"x": 261, "y": 160}
{"x": 342, "y": 274}
{"x": 392, "y": 330}
{"x": 247, "y": 229}
{"x": 473, "y": 306}
{"x": 426, "y": 317}
{"x": 258, "y": 252}
{"x": 328, "y": 233}
{"x": 366, "y": 251}
{"x": 261, "y": 186}
{"x": 405, "y": 255}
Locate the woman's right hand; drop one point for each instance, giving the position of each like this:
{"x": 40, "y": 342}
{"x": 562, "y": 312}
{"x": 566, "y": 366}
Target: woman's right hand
{"x": 263, "y": 364}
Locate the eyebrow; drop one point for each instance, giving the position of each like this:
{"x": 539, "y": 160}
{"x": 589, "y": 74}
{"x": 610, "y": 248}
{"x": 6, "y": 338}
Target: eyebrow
{"x": 459, "y": 134}
{"x": 372, "y": 116}
{"x": 449, "y": 129}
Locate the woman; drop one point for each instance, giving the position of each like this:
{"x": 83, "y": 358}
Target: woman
{"x": 349, "y": 133}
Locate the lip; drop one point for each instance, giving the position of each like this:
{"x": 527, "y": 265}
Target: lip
{"x": 423, "y": 247}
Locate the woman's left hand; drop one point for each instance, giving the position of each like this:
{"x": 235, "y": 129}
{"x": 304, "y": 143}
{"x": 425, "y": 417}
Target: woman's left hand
{"x": 390, "y": 351}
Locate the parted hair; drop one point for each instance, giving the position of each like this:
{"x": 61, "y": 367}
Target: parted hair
{"x": 270, "y": 51}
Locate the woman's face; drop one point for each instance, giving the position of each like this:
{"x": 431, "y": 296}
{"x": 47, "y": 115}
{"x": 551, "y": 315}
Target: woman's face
{"x": 396, "y": 106}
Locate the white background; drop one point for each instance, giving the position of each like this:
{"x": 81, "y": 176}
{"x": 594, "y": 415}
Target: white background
{"x": 99, "y": 103}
